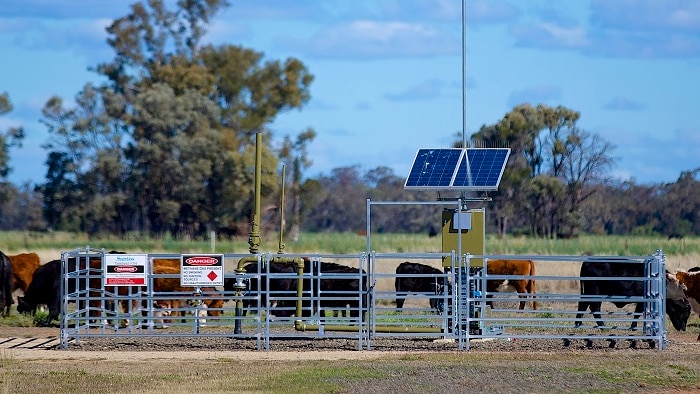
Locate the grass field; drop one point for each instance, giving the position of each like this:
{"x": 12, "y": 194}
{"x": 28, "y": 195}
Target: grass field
{"x": 449, "y": 372}
{"x": 680, "y": 254}
{"x": 598, "y": 371}
{"x": 339, "y": 243}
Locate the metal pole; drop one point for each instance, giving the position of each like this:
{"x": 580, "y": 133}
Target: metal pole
{"x": 464, "y": 73}
{"x": 281, "y": 243}
{"x": 254, "y": 237}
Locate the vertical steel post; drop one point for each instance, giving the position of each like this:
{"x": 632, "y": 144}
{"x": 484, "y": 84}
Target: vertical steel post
{"x": 254, "y": 237}
{"x": 280, "y": 250}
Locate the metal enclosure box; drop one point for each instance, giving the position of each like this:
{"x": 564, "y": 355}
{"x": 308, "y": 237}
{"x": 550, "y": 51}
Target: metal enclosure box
{"x": 472, "y": 233}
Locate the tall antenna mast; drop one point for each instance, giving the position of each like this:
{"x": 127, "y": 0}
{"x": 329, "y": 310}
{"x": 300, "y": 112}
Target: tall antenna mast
{"x": 464, "y": 85}
{"x": 464, "y": 73}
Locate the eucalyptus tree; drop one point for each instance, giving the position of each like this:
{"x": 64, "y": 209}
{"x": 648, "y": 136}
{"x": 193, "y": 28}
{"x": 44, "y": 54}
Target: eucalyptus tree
{"x": 559, "y": 123}
{"x": 636, "y": 208}
{"x": 295, "y": 155}
{"x": 341, "y": 205}
{"x": 543, "y": 195}
{"x": 600, "y": 212}
{"x": 678, "y": 208}
{"x": 384, "y": 185}
{"x": 183, "y": 116}
{"x": 85, "y": 165}
{"x": 23, "y": 211}
{"x": 547, "y": 145}
{"x": 507, "y": 202}
{"x": 586, "y": 159}
{"x": 12, "y": 137}
{"x": 63, "y": 200}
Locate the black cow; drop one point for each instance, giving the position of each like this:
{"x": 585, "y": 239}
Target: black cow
{"x": 45, "y": 288}
{"x": 5, "y": 285}
{"x": 334, "y": 293}
{"x": 283, "y": 285}
{"x": 677, "y": 304}
{"x": 420, "y": 282}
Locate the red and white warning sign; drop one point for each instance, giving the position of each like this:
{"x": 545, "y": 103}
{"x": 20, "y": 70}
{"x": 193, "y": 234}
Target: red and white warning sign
{"x": 202, "y": 270}
{"x": 125, "y": 269}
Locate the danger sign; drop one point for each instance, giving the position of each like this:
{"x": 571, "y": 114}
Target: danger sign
{"x": 202, "y": 270}
{"x": 125, "y": 269}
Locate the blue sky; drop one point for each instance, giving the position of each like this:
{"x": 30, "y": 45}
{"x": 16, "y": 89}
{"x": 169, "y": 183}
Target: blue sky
{"x": 389, "y": 73}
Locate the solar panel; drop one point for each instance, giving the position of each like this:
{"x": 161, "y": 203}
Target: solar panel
{"x": 481, "y": 168}
{"x": 457, "y": 169}
{"x": 433, "y": 167}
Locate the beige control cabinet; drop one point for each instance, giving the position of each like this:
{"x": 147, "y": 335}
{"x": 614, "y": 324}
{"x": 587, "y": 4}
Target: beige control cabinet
{"x": 467, "y": 225}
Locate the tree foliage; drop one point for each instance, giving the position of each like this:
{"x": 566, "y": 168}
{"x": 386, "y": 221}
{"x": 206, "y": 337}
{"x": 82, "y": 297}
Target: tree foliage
{"x": 167, "y": 143}
{"x": 12, "y": 137}
{"x": 9, "y": 138}
{"x": 552, "y": 165}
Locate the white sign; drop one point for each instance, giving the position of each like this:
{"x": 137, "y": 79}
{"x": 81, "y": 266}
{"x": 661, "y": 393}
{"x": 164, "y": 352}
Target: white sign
{"x": 125, "y": 269}
{"x": 202, "y": 270}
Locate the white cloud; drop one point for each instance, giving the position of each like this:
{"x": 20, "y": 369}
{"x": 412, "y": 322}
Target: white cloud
{"x": 623, "y": 104}
{"x": 535, "y": 95}
{"x": 424, "y": 90}
{"x": 365, "y": 39}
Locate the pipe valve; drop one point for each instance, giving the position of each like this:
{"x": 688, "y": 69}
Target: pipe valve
{"x": 240, "y": 284}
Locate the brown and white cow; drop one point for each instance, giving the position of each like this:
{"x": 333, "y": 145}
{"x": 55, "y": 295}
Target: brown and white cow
{"x": 691, "y": 281}
{"x": 512, "y": 267}
{"x": 209, "y": 307}
{"x": 167, "y": 308}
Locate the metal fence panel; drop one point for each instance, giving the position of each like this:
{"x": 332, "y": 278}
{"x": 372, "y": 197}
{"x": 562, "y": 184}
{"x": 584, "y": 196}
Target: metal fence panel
{"x": 255, "y": 304}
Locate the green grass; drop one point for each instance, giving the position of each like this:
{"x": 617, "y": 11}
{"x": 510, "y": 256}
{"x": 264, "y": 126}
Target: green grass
{"x": 351, "y": 243}
{"x": 18, "y": 319}
{"x": 642, "y": 375}
{"x": 317, "y": 378}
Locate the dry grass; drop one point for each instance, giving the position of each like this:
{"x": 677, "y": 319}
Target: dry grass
{"x": 445, "y": 372}
{"x": 544, "y": 268}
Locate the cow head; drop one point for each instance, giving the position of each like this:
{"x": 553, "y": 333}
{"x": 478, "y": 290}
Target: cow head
{"x": 677, "y": 304}
{"x": 161, "y": 309}
{"x": 678, "y": 309}
{"x": 24, "y": 306}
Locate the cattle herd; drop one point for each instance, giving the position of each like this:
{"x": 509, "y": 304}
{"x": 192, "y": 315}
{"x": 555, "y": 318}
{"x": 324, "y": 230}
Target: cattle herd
{"x": 336, "y": 293}
{"x": 344, "y": 291}
{"x": 45, "y": 288}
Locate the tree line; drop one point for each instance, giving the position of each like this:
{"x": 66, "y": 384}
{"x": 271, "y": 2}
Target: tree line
{"x": 166, "y": 145}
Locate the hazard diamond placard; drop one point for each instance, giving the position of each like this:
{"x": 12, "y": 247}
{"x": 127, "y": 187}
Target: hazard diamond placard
{"x": 202, "y": 270}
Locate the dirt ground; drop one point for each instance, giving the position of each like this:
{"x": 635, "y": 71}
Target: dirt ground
{"x": 498, "y": 366}
{"x": 681, "y": 344}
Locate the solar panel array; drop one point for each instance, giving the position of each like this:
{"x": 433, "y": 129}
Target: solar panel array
{"x": 473, "y": 169}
